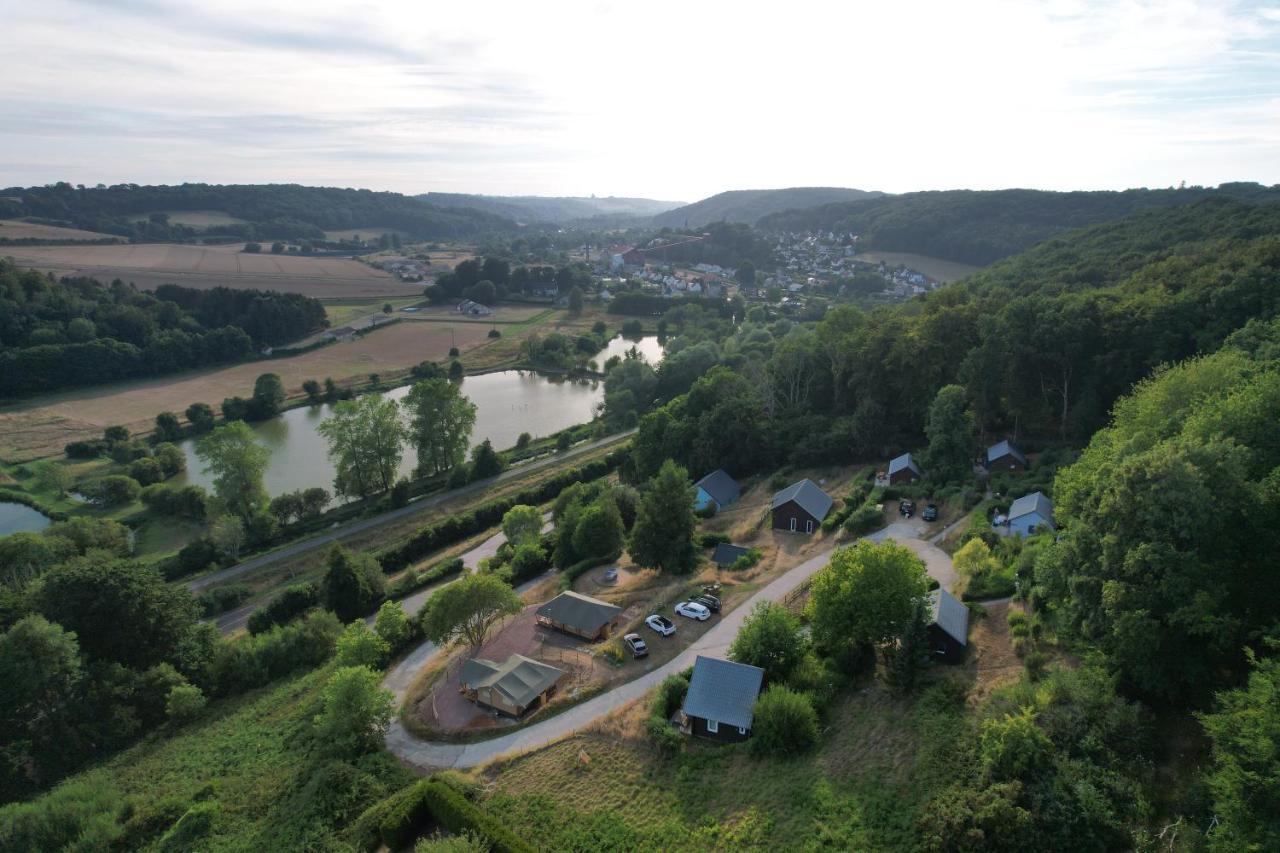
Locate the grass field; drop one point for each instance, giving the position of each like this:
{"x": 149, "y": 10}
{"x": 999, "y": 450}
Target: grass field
{"x": 196, "y": 218}
{"x": 13, "y": 229}
{"x": 936, "y": 268}
{"x": 371, "y": 232}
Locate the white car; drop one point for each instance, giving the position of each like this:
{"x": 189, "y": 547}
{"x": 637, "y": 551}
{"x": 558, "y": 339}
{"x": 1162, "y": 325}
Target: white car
{"x": 661, "y": 624}
{"x": 693, "y": 610}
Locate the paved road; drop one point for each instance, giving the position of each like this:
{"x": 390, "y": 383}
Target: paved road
{"x": 359, "y": 525}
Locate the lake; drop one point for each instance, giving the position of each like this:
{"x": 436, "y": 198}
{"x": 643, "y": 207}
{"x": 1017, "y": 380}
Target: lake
{"x": 507, "y": 403}
{"x": 20, "y": 518}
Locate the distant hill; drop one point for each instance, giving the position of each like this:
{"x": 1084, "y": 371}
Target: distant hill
{"x": 978, "y": 227}
{"x": 549, "y": 208}
{"x": 750, "y": 205}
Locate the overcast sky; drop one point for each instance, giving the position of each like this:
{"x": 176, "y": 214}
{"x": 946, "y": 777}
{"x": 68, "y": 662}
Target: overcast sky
{"x": 670, "y": 100}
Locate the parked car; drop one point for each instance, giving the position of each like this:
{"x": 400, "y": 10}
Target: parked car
{"x": 636, "y": 644}
{"x": 930, "y": 513}
{"x": 693, "y": 610}
{"x": 907, "y": 508}
{"x": 709, "y": 601}
{"x": 661, "y": 624}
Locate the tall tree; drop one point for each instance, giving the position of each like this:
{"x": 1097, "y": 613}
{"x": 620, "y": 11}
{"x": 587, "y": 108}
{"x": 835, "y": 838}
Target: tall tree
{"x": 41, "y": 672}
{"x": 467, "y": 609}
{"x": 950, "y": 431}
{"x": 440, "y": 424}
{"x": 485, "y": 461}
{"x": 770, "y": 638}
{"x": 522, "y": 524}
{"x": 268, "y": 397}
{"x": 353, "y": 583}
{"x": 356, "y": 712}
{"x": 366, "y": 440}
{"x": 237, "y": 464}
{"x": 662, "y": 537}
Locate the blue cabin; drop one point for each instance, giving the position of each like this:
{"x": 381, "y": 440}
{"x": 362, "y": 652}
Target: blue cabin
{"x": 1030, "y": 514}
{"x": 717, "y": 489}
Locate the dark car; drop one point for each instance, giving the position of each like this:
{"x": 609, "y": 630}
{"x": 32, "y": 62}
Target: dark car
{"x": 636, "y": 644}
{"x": 930, "y": 513}
{"x": 710, "y": 602}
{"x": 907, "y": 508}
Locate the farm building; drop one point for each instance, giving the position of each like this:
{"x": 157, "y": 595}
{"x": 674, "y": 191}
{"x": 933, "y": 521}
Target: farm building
{"x": 1031, "y": 514}
{"x": 948, "y": 628}
{"x": 903, "y": 469}
{"x": 725, "y": 554}
{"x": 512, "y": 687}
{"x": 580, "y": 615}
{"x": 716, "y": 489}
{"x": 800, "y": 507}
{"x": 721, "y": 701}
{"x": 1005, "y": 457}
{"x": 474, "y": 309}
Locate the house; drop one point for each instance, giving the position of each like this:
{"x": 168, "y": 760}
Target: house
{"x": 633, "y": 258}
{"x": 903, "y": 469}
{"x": 948, "y": 628}
{"x": 1005, "y": 457}
{"x": 580, "y": 615}
{"x": 716, "y": 489}
{"x": 342, "y": 333}
{"x": 511, "y": 687}
{"x": 726, "y": 555}
{"x": 800, "y": 507}
{"x": 1031, "y": 514}
{"x": 721, "y": 700}
{"x": 475, "y": 309}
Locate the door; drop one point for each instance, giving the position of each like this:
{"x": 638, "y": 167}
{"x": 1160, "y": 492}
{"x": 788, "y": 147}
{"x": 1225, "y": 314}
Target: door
{"x": 793, "y": 524}
{"x": 808, "y": 526}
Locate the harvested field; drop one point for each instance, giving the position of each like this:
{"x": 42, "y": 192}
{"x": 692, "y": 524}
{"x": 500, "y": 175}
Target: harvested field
{"x": 196, "y": 218}
{"x": 42, "y": 427}
{"x": 936, "y": 268}
{"x": 371, "y": 232}
{"x": 150, "y": 264}
{"x": 12, "y": 229}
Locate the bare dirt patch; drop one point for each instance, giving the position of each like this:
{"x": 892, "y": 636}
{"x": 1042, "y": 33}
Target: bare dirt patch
{"x": 992, "y": 661}
{"x": 12, "y": 229}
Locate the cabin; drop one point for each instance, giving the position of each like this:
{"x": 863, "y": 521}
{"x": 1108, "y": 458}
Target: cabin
{"x": 948, "y": 628}
{"x": 725, "y": 555}
{"x": 903, "y": 469}
{"x": 512, "y": 687}
{"x": 580, "y": 615}
{"x": 1031, "y": 514}
{"x": 721, "y": 701}
{"x": 1005, "y": 457}
{"x": 717, "y": 489}
{"x": 800, "y": 507}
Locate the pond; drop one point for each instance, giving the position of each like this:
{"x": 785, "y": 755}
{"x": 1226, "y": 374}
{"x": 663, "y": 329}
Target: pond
{"x": 507, "y": 403}
{"x": 20, "y": 518}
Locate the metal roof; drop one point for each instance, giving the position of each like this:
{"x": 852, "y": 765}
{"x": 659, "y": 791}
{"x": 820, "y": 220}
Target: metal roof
{"x": 725, "y": 554}
{"x": 810, "y": 498}
{"x": 520, "y": 679}
{"x": 580, "y": 611}
{"x": 722, "y": 488}
{"x": 1036, "y": 502}
{"x": 1004, "y": 448}
{"x": 904, "y": 461}
{"x": 723, "y": 691}
{"x": 949, "y": 613}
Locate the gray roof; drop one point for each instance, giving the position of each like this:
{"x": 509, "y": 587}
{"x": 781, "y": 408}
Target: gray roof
{"x": 519, "y": 678}
{"x": 725, "y": 554}
{"x": 904, "y": 461}
{"x": 583, "y": 612}
{"x": 1005, "y": 448}
{"x": 1036, "y": 502}
{"x": 949, "y": 613}
{"x": 722, "y": 488}
{"x": 723, "y": 691}
{"x": 810, "y": 498}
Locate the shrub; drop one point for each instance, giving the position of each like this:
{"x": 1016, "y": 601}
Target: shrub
{"x": 666, "y": 737}
{"x": 146, "y": 471}
{"x": 112, "y": 490}
{"x": 785, "y": 723}
{"x": 255, "y": 660}
{"x": 220, "y": 599}
{"x": 358, "y": 646}
{"x": 191, "y": 827}
{"x": 455, "y": 813}
{"x": 85, "y": 449}
{"x": 710, "y": 539}
{"x": 577, "y": 570}
{"x": 413, "y": 581}
{"x": 288, "y": 604}
{"x": 863, "y": 520}
{"x": 746, "y": 561}
{"x": 194, "y": 556}
{"x": 670, "y": 696}
{"x": 494, "y": 333}
{"x": 183, "y": 703}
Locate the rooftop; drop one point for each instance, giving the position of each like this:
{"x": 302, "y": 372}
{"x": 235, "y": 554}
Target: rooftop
{"x": 810, "y": 498}
{"x": 724, "y": 691}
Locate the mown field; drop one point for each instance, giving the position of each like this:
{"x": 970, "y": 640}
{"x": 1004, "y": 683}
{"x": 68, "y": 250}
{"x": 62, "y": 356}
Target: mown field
{"x": 196, "y": 218}
{"x": 13, "y": 229}
{"x": 936, "y": 268}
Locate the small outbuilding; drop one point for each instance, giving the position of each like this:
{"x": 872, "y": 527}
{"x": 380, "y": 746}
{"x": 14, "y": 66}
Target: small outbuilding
{"x": 1005, "y": 457}
{"x": 948, "y": 629}
{"x": 1030, "y": 514}
{"x": 721, "y": 701}
{"x": 726, "y": 555}
{"x": 512, "y": 687}
{"x": 579, "y": 615}
{"x": 800, "y": 507}
{"x": 717, "y": 489}
{"x": 903, "y": 469}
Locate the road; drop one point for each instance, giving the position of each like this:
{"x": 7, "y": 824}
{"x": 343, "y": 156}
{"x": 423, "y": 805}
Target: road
{"x": 360, "y": 525}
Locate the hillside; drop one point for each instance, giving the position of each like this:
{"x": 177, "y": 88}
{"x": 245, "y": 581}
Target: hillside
{"x": 978, "y": 227}
{"x": 550, "y": 208}
{"x": 750, "y": 205}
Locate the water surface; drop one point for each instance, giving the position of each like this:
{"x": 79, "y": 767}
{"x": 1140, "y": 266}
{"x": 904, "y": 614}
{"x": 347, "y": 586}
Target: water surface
{"x": 20, "y": 518}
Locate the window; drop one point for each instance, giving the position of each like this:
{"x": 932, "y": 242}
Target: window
{"x": 742, "y": 730}
{"x": 808, "y": 526}
{"x": 713, "y": 726}
{"x": 793, "y": 525}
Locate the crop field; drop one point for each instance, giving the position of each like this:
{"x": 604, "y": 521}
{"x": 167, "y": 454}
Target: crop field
{"x": 369, "y": 232}
{"x": 12, "y": 229}
{"x": 197, "y": 218}
{"x": 150, "y": 264}
{"x": 936, "y": 268}
{"x": 42, "y": 427}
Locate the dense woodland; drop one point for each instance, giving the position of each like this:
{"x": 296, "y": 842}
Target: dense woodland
{"x": 69, "y": 332}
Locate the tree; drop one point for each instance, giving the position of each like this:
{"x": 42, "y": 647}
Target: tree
{"x": 485, "y": 461}
{"x": 313, "y": 501}
{"x": 440, "y": 424}
{"x": 910, "y": 652}
{"x": 865, "y": 596}
{"x": 784, "y": 723}
{"x": 771, "y": 639}
{"x": 356, "y": 712}
{"x": 455, "y": 369}
{"x": 521, "y": 524}
{"x": 392, "y": 624}
{"x": 41, "y": 672}
{"x": 228, "y": 535}
{"x": 168, "y": 427}
{"x": 575, "y": 300}
{"x": 467, "y": 609}
{"x": 358, "y": 646}
{"x": 353, "y": 583}
{"x": 950, "y": 431}
{"x": 184, "y": 703}
{"x": 974, "y": 559}
{"x": 115, "y": 434}
{"x": 311, "y": 388}
{"x": 237, "y": 464}
{"x": 483, "y": 292}
{"x": 268, "y": 396}
{"x": 112, "y": 490}
{"x": 599, "y": 532}
{"x": 277, "y": 248}
{"x": 54, "y": 478}
{"x": 170, "y": 458}
{"x": 200, "y": 416}
{"x": 365, "y": 438}
{"x": 662, "y": 537}
{"x": 746, "y": 274}
{"x": 146, "y": 471}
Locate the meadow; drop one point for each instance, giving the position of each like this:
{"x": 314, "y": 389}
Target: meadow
{"x": 936, "y": 268}
{"x": 13, "y": 229}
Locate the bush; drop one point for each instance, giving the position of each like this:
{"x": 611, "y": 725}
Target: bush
{"x": 666, "y": 737}
{"x": 85, "y": 449}
{"x": 862, "y": 520}
{"x": 288, "y": 604}
{"x": 785, "y": 723}
{"x": 710, "y": 539}
{"x": 255, "y": 660}
{"x": 455, "y": 813}
{"x": 194, "y": 556}
{"x": 494, "y": 333}
{"x": 413, "y": 581}
{"x": 184, "y": 702}
{"x": 112, "y": 490}
{"x": 220, "y": 599}
{"x": 577, "y": 570}
{"x": 670, "y": 696}
{"x": 746, "y": 561}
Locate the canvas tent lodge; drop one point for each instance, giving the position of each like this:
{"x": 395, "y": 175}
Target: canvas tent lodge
{"x": 512, "y": 687}
{"x": 717, "y": 489}
{"x": 800, "y": 507}
{"x": 720, "y": 704}
{"x": 579, "y": 615}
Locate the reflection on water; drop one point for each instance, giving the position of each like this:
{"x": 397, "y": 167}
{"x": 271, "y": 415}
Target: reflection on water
{"x": 20, "y": 518}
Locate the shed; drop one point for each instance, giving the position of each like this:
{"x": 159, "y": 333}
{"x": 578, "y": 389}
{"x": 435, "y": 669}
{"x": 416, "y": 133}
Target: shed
{"x": 721, "y": 700}
{"x": 1031, "y": 514}
{"x": 716, "y": 489}
{"x": 726, "y": 555}
{"x": 511, "y": 687}
{"x": 800, "y": 507}
{"x": 580, "y": 615}
{"x": 1005, "y": 457}
{"x": 948, "y": 628}
{"x": 903, "y": 469}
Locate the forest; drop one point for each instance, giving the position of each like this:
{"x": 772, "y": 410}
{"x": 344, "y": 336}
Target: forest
{"x": 72, "y": 332}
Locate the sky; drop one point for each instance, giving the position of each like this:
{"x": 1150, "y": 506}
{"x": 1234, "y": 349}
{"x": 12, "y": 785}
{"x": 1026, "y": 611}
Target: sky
{"x": 666, "y": 100}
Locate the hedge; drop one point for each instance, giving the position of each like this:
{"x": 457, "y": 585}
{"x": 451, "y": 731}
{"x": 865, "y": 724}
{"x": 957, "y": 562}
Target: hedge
{"x": 414, "y": 581}
{"x": 580, "y": 568}
{"x": 404, "y": 817}
{"x": 711, "y": 539}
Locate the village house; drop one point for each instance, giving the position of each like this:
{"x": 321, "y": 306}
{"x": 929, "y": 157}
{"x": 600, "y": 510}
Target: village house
{"x": 800, "y": 507}
{"x": 903, "y": 469}
{"x": 580, "y": 615}
{"x": 948, "y": 628}
{"x": 716, "y": 489}
{"x": 1030, "y": 514}
{"x": 474, "y": 309}
{"x": 512, "y": 687}
{"x": 721, "y": 701}
{"x": 1005, "y": 457}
